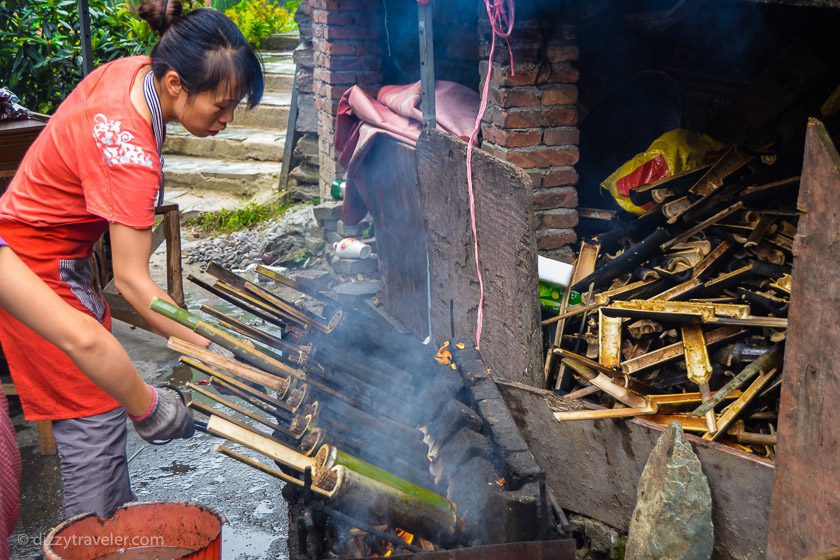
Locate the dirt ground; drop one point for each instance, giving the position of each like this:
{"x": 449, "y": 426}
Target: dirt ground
{"x": 184, "y": 470}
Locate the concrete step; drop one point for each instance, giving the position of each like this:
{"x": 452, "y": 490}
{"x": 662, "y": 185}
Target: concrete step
{"x": 233, "y": 143}
{"x": 281, "y": 83}
{"x": 271, "y": 114}
{"x": 237, "y": 178}
{"x": 282, "y": 41}
{"x": 278, "y": 63}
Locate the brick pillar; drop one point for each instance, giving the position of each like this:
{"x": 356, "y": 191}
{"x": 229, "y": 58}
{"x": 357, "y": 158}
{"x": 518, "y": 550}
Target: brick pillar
{"x": 532, "y": 119}
{"x": 345, "y": 37}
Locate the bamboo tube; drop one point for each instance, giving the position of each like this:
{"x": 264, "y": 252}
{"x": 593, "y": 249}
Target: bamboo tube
{"x": 259, "y": 443}
{"x": 295, "y": 354}
{"x": 366, "y": 498}
{"x": 245, "y": 305}
{"x": 377, "y": 451}
{"x": 299, "y": 315}
{"x": 236, "y": 369}
{"x": 244, "y": 412}
{"x": 281, "y": 405}
{"x": 766, "y": 362}
{"x": 219, "y": 448}
{"x": 252, "y": 355}
{"x": 295, "y": 285}
{"x": 329, "y": 456}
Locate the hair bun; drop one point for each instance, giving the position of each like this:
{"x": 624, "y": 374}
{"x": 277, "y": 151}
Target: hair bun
{"x": 160, "y": 14}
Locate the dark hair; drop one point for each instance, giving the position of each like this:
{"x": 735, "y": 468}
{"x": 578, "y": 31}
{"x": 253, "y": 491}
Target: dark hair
{"x": 210, "y": 37}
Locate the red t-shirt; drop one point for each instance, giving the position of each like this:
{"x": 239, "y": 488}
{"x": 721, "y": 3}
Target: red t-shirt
{"x": 95, "y": 160}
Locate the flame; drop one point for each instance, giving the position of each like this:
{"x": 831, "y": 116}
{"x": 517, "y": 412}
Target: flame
{"x": 405, "y": 536}
{"x": 500, "y": 482}
{"x": 444, "y": 355}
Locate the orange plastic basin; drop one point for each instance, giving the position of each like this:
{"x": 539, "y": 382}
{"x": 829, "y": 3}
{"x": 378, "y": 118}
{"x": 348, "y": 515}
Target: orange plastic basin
{"x": 140, "y": 531}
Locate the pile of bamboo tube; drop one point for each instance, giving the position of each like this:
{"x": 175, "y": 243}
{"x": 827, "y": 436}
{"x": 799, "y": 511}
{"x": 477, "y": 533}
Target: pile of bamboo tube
{"x": 322, "y": 398}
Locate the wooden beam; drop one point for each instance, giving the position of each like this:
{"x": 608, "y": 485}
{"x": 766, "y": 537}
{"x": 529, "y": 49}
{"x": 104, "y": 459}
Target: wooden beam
{"x": 805, "y": 514}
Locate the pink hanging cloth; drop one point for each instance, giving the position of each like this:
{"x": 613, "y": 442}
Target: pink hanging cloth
{"x": 396, "y": 113}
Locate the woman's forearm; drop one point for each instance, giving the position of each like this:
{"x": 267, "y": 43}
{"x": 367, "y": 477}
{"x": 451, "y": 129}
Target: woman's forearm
{"x": 91, "y": 347}
{"x": 139, "y": 293}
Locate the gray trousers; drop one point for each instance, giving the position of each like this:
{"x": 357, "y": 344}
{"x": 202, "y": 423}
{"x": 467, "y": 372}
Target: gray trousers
{"x": 94, "y": 467}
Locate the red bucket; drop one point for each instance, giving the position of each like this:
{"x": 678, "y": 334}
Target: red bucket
{"x": 140, "y": 531}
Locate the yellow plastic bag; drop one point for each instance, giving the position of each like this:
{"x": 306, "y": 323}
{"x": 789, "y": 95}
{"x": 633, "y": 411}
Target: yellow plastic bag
{"x": 674, "y": 152}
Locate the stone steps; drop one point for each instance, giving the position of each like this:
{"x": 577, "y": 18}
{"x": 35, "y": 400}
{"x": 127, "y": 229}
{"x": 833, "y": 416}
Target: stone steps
{"x": 271, "y": 114}
{"x": 238, "y": 178}
{"x": 233, "y": 143}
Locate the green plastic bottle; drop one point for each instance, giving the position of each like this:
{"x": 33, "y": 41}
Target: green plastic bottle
{"x": 337, "y": 189}
{"x": 551, "y": 297}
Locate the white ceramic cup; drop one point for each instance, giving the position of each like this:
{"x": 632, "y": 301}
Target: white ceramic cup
{"x": 352, "y": 248}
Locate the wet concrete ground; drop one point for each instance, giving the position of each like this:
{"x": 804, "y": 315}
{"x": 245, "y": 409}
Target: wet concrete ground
{"x": 184, "y": 470}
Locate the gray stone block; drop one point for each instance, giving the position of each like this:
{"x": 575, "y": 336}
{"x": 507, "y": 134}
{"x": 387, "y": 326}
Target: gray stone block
{"x": 351, "y": 231}
{"x": 349, "y": 267}
{"x": 327, "y": 210}
{"x": 673, "y": 515}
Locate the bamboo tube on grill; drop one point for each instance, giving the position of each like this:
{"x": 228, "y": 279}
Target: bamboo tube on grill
{"x": 329, "y": 456}
{"x": 259, "y": 442}
{"x": 294, "y": 403}
{"x": 242, "y": 371}
{"x": 366, "y": 498}
{"x": 245, "y": 305}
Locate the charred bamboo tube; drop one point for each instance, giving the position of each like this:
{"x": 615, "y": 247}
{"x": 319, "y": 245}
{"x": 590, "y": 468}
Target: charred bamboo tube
{"x": 364, "y": 366}
{"x": 702, "y": 225}
{"x": 329, "y": 456}
{"x": 374, "y": 450}
{"x": 259, "y": 442}
{"x": 242, "y": 371}
{"x": 299, "y": 315}
{"x": 627, "y": 261}
{"x": 295, "y": 354}
{"x": 768, "y": 361}
{"x": 366, "y": 498}
{"x": 295, "y": 284}
{"x": 245, "y": 305}
{"x": 252, "y": 355}
{"x": 337, "y": 415}
{"x": 281, "y": 405}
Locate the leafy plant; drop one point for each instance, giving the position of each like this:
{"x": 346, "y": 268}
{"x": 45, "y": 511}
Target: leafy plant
{"x": 257, "y": 19}
{"x": 40, "y": 46}
{"x": 226, "y": 221}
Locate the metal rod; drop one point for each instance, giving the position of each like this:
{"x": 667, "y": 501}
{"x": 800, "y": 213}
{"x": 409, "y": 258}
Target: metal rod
{"x": 425, "y": 23}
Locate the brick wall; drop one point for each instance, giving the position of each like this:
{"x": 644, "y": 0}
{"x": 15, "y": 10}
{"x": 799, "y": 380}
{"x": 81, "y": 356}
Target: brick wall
{"x": 346, "y": 43}
{"x": 532, "y": 122}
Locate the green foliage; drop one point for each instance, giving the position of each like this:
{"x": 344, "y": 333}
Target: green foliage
{"x": 40, "y": 47}
{"x": 226, "y": 221}
{"x": 257, "y": 19}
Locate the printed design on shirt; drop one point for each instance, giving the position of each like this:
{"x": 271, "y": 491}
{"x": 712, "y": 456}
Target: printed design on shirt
{"x": 116, "y": 145}
{"x": 77, "y": 274}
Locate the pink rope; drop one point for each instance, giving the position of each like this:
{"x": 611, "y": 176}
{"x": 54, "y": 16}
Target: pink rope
{"x": 501, "y": 15}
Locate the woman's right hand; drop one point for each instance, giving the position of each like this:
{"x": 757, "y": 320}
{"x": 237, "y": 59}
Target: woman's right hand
{"x": 167, "y": 418}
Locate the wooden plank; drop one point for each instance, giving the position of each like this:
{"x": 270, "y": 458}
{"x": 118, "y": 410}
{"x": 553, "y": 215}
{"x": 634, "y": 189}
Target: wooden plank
{"x": 390, "y": 178}
{"x": 593, "y": 468}
{"x": 806, "y": 496}
{"x": 174, "y": 271}
{"x": 511, "y": 343}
